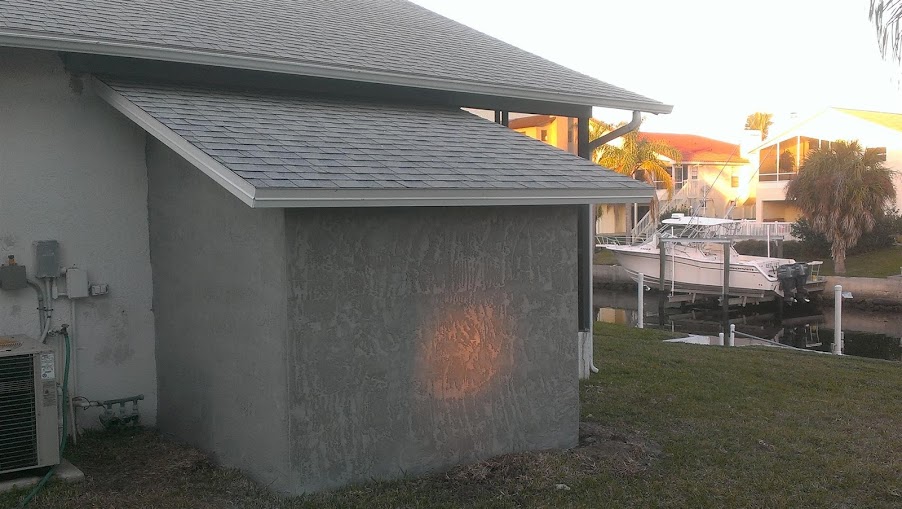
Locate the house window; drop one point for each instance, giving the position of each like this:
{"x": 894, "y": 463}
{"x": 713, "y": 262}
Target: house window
{"x": 543, "y": 135}
{"x": 693, "y": 172}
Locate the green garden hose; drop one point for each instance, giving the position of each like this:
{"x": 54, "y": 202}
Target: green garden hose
{"x": 28, "y": 498}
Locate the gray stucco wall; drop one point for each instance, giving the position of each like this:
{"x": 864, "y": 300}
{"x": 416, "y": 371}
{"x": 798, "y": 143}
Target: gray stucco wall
{"x": 72, "y": 169}
{"x": 220, "y": 305}
{"x": 422, "y": 338}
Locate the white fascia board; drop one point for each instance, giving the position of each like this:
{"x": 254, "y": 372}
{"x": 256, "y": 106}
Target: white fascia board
{"x": 170, "y": 54}
{"x": 295, "y": 198}
{"x": 771, "y": 140}
{"x": 213, "y": 169}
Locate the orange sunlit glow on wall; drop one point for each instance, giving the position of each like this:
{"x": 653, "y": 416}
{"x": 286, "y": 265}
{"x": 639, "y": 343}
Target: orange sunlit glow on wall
{"x": 463, "y": 351}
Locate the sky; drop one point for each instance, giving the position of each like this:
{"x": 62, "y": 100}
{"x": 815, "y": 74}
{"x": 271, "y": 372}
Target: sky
{"x": 715, "y": 61}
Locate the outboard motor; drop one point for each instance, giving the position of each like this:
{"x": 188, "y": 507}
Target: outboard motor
{"x": 793, "y": 277}
{"x": 787, "y": 279}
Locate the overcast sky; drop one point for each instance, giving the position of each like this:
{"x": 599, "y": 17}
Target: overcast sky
{"x": 714, "y": 60}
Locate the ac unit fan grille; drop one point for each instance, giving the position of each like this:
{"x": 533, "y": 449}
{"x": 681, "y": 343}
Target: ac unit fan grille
{"x": 18, "y": 425}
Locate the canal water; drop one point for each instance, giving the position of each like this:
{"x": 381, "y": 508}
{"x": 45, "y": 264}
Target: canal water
{"x": 867, "y": 334}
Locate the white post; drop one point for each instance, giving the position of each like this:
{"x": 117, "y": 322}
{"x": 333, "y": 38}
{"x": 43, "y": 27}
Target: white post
{"x": 720, "y": 339}
{"x": 768, "y": 239}
{"x": 732, "y": 335}
{"x": 641, "y": 300}
{"x": 837, "y": 319}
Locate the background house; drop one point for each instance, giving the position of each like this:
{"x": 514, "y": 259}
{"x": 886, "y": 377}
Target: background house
{"x": 712, "y": 179}
{"x": 319, "y": 268}
{"x": 780, "y": 156}
{"x": 556, "y": 131}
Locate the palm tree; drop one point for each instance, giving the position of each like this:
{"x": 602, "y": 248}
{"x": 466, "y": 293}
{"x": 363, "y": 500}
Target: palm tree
{"x": 759, "y": 121}
{"x": 634, "y": 156}
{"x": 887, "y": 18}
{"x": 842, "y": 190}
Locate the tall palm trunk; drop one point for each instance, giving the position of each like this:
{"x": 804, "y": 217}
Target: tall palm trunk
{"x": 839, "y": 263}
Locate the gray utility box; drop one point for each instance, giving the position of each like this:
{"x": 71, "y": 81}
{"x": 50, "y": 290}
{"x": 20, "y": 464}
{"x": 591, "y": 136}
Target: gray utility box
{"x": 48, "y": 256}
{"x": 28, "y": 405}
{"x": 12, "y": 277}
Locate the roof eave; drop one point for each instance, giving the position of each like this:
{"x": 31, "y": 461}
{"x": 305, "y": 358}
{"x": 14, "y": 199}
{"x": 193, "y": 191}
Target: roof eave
{"x": 291, "y": 198}
{"x": 404, "y": 197}
{"x": 119, "y": 49}
{"x": 219, "y": 173}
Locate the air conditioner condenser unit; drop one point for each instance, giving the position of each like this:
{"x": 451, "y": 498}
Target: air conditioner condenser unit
{"x": 29, "y": 436}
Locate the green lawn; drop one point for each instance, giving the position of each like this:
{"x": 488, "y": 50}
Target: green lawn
{"x": 665, "y": 425}
{"x": 882, "y": 263}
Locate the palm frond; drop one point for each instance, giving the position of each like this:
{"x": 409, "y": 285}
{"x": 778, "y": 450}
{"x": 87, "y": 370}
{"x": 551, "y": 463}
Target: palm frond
{"x": 887, "y": 18}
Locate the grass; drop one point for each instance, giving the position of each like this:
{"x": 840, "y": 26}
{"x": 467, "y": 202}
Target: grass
{"x": 881, "y": 263}
{"x": 664, "y": 425}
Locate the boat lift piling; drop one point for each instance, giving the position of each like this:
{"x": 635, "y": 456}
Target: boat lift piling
{"x": 662, "y": 272}
{"x": 837, "y": 320}
{"x": 726, "y": 289}
{"x": 662, "y": 299}
{"x": 641, "y": 301}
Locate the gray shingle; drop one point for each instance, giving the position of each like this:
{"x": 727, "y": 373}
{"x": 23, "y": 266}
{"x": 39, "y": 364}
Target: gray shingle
{"x": 414, "y": 147}
{"x": 393, "y": 37}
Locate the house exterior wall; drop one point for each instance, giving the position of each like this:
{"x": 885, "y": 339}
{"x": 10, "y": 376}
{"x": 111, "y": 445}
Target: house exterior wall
{"x": 829, "y": 125}
{"x": 72, "y": 170}
{"x": 219, "y": 279}
{"x": 423, "y": 338}
{"x": 719, "y": 178}
{"x": 611, "y": 218}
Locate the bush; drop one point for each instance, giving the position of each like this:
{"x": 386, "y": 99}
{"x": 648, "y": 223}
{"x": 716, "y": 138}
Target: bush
{"x": 813, "y": 243}
{"x": 887, "y": 226}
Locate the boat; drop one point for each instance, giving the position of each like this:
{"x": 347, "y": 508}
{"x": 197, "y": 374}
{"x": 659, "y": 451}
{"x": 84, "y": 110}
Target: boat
{"x": 694, "y": 262}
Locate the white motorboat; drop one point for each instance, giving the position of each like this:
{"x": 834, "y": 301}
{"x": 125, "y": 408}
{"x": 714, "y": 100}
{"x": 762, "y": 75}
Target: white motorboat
{"x": 694, "y": 262}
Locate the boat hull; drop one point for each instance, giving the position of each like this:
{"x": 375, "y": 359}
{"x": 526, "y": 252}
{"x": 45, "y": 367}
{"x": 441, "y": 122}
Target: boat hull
{"x": 692, "y": 275}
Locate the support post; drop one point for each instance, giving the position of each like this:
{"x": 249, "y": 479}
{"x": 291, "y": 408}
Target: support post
{"x": 641, "y": 301}
{"x": 497, "y": 116}
{"x": 732, "y": 340}
{"x": 505, "y": 118}
{"x": 767, "y": 230}
{"x": 726, "y": 287}
{"x": 585, "y": 249}
{"x": 662, "y": 269}
{"x": 837, "y": 319}
{"x": 720, "y": 339}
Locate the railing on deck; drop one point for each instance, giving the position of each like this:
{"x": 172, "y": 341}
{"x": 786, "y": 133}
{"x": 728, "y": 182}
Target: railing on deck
{"x": 782, "y": 176}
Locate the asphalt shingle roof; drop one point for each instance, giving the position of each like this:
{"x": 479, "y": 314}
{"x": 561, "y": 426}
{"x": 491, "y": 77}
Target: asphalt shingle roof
{"x": 372, "y": 39}
{"x": 300, "y": 142}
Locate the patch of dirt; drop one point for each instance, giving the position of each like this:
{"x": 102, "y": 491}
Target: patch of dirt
{"x": 513, "y": 476}
{"x": 625, "y": 453}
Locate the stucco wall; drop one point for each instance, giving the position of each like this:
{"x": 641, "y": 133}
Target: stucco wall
{"x": 72, "y": 169}
{"x": 220, "y": 303}
{"x": 422, "y": 338}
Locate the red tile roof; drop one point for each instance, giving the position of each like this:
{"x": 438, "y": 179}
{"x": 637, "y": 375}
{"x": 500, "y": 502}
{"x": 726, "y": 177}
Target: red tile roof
{"x": 530, "y": 121}
{"x": 698, "y": 149}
